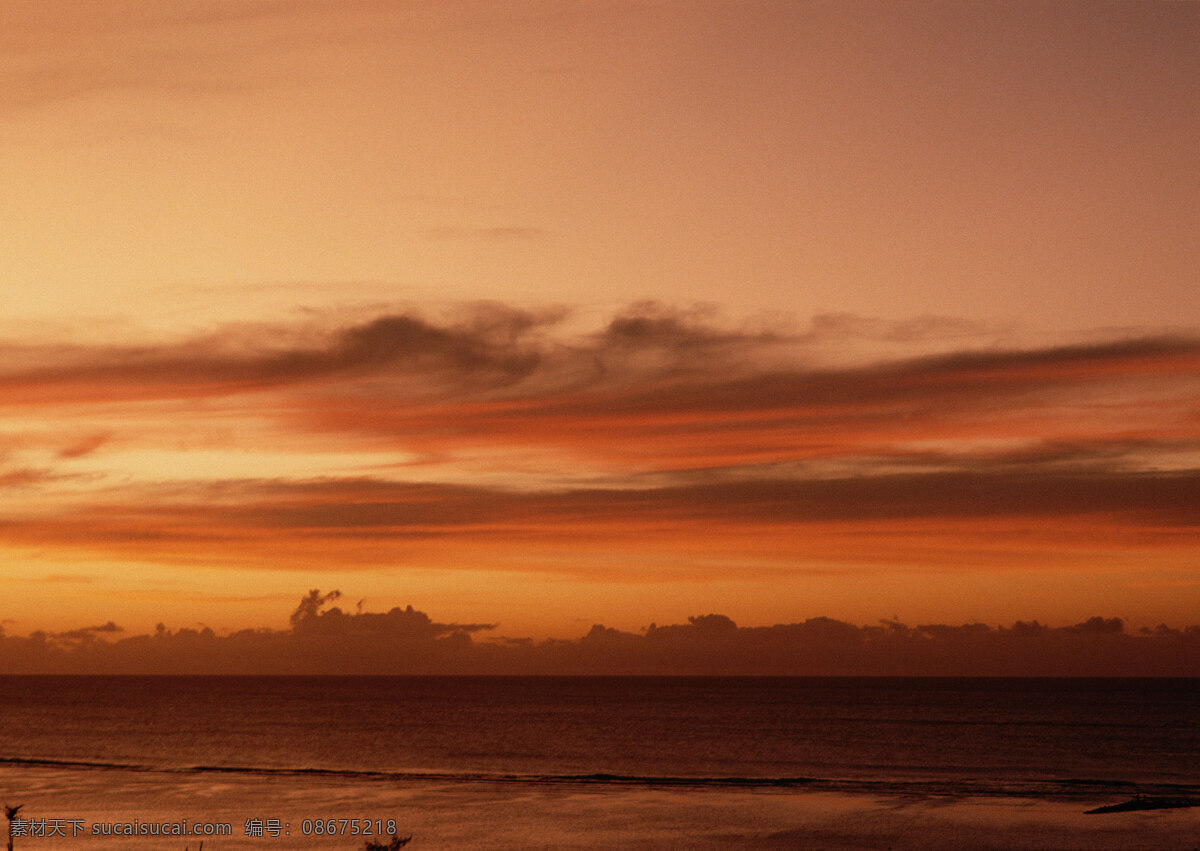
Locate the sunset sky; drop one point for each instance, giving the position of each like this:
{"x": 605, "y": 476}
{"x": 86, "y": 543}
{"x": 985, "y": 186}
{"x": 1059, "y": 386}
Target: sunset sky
{"x": 552, "y": 314}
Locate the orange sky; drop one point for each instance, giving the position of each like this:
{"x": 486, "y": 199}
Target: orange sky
{"x": 552, "y": 314}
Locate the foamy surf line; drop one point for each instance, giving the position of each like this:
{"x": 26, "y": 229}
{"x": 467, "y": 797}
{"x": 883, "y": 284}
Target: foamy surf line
{"x": 1072, "y": 788}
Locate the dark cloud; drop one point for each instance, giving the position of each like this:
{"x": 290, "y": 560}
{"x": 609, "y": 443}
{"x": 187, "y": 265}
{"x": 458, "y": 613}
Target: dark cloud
{"x": 656, "y": 384}
{"x": 677, "y": 361}
{"x": 1111, "y": 452}
{"x": 407, "y": 641}
{"x": 486, "y": 349}
{"x": 912, "y": 385}
{"x": 368, "y": 521}
{"x": 1167, "y": 497}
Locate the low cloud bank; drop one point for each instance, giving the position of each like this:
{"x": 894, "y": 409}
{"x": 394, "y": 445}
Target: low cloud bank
{"x": 323, "y": 639}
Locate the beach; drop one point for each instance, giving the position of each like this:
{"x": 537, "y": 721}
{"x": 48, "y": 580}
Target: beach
{"x": 478, "y": 815}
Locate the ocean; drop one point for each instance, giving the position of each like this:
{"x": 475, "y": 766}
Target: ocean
{"x": 596, "y": 762}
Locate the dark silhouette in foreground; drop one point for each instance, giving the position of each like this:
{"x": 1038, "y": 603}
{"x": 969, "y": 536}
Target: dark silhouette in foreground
{"x": 1140, "y": 803}
{"x": 395, "y": 845}
{"x": 10, "y": 813}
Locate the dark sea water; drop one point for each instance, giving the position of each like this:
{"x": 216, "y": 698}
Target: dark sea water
{"x": 107, "y": 745}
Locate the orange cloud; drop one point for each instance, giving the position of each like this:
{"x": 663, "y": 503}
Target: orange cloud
{"x": 496, "y": 435}
{"x": 944, "y": 518}
{"x": 650, "y": 392}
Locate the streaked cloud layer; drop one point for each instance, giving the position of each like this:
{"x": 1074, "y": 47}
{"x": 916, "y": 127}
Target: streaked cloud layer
{"x": 513, "y": 440}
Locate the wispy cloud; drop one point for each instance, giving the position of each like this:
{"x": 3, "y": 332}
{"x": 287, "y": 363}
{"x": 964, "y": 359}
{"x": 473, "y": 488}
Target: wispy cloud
{"x": 88, "y": 633}
{"x": 84, "y": 446}
{"x": 487, "y": 234}
{"x": 22, "y": 477}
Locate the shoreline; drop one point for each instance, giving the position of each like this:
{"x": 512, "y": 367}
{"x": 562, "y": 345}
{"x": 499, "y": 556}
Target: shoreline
{"x": 442, "y": 814}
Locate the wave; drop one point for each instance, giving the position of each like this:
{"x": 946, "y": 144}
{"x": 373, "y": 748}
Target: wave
{"x": 960, "y": 787}
{"x": 43, "y": 762}
{"x": 593, "y": 779}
